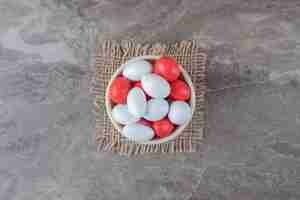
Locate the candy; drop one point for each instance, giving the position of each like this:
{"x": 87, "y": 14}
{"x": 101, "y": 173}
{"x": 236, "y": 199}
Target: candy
{"x": 180, "y": 90}
{"x": 121, "y": 115}
{"x": 180, "y": 112}
{"x": 138, "y": 84}
{"x": 119, "y": 89}
{"x": 138, "y": 132}
{"x": 156, "y": 109}
{"x": 136, "y": 101}
{"x": 155, "y": 86}
{"x": 145, "y": 122}
{"x": 134, "y": 70}
{"x": 163, "y": 128}
{"x": 167, "y": 68}
{"x": 156, "y": 103}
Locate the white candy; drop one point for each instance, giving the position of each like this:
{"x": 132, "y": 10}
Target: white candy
{"x": 180, "y": 112}
{"x": 134, "y": 70}
{"x": 155, "y": 86}
{"x": 138, "y": 132}
{"x": 121, "y": 115}
{"x": 136, "y": 101}
{"x": 157, "y": 109}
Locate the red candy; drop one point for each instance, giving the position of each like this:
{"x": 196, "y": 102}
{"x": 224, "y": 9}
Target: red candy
{"x": 180, "y": 91}
{"x": 145, "y": 122}
{"x": 119, "y": 89}
{"x": 138, "y": 84}
{"x": 167, "y": 68}
{"x": 163, "y": 128}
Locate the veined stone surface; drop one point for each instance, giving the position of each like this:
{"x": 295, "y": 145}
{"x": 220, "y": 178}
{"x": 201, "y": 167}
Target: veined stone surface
{"x": 47, "y": 136}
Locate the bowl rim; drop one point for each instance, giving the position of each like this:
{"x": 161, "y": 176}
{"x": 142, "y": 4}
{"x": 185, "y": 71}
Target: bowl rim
{"x": 179, "y": 129}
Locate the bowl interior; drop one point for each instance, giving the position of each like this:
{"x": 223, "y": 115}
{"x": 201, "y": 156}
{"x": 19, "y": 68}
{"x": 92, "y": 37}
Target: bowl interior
{"x": 184, "y": 75}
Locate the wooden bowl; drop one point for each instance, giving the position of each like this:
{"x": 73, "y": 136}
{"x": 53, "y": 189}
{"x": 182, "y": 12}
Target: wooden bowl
{"x": 179, "y": 129}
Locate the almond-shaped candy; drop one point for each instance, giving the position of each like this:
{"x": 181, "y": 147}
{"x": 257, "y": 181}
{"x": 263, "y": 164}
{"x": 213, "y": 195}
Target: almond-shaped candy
{"x": 121, "y": 115}
{"x": 156, "y": 109}
{"x": 134, "y": 70}
{"x": 180, "y": 112}
{"x": 155, "y": 86}
{"x": 138, "y": 132}
{"x": 136, "y": 101}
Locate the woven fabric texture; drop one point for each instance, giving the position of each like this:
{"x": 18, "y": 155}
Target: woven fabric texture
{"x": 110, "y": 55}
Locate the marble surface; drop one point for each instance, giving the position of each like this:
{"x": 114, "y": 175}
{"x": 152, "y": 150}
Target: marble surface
{"x": 47, "y": 139}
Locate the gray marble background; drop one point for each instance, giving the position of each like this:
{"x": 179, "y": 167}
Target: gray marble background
{"x": 47, "y": 136}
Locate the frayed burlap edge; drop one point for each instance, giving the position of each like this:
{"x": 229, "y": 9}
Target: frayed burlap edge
{"x": 108, "y": 138}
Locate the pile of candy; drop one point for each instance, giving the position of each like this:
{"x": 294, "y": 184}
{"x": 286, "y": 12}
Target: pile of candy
{"x": 150, "y": 99}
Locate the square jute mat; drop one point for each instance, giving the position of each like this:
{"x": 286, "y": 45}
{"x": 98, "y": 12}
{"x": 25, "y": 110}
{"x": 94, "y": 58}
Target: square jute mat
{"x": 110, "y": 55}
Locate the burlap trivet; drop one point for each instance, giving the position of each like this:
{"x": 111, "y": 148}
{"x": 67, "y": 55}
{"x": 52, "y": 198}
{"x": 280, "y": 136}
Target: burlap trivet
{"x": 110, "y": 55}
